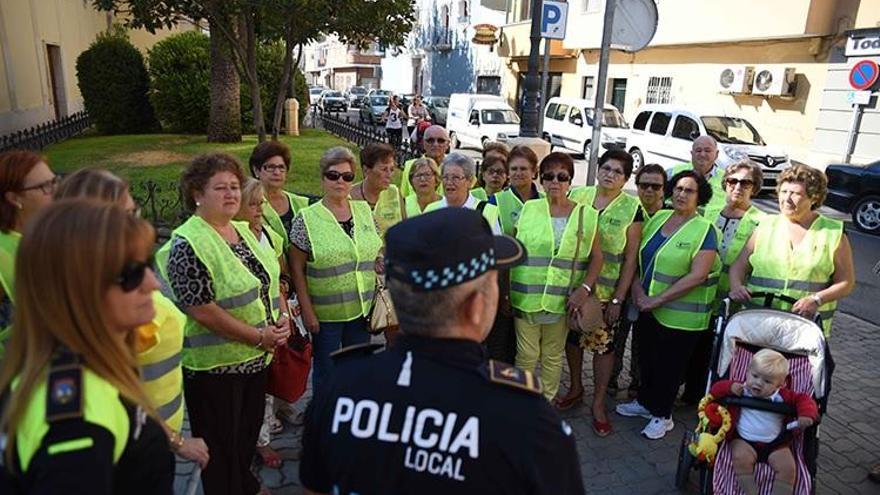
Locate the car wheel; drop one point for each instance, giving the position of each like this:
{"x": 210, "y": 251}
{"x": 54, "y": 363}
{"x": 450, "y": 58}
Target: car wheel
{"x": 483, "y": 141}
{"x": 453, "y": 141}
{"x": 638, "y": 158}
{"x": 546, "y": 137}
{"x": 587, "y": 150}
{"x": 866, "y": 214}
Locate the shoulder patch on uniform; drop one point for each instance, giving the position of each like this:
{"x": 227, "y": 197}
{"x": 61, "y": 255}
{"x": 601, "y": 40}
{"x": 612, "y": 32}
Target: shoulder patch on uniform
{"x": 367, "y": 349}
{"x": 505, "y": 374}
{"x": 64, "y": 391}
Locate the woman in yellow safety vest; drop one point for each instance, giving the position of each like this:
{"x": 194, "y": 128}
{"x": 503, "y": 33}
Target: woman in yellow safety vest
{"x": 735, "y": 220}
{"x": 158, "y": 344}
{"x": 620, "y": 232}
{"x": 334, "y": 260}
{"x": 27, "y": 184}
{"x": 457, "y": 173}
{"x": 378, "y": 165}
{"x": 493, "y": 176}
{"x": 552, "y": 282}
{"x": 270, "y": 163}
{"x": 228, "y": 286}
{"x": 678, "y": 275}
{"x": 798, "y": 253}
{"x": 424, "y": 177}
{"x": 77, "y": 418}
{"x": 522, "y": 167}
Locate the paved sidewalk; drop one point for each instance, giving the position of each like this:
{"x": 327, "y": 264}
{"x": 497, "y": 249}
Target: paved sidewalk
{"x": 627, "y": 464}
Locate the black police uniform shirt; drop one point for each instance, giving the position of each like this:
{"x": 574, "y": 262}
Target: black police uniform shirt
{"x": 433, "y": 416}
{"x": 146, "y": 466}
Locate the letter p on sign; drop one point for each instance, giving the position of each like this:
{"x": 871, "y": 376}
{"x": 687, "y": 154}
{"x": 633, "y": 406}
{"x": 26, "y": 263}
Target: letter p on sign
{"x": 553, "y": 19}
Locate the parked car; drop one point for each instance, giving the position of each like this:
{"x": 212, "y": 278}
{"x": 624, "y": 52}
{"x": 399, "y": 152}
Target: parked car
{"x": 333, "y": 101}
{"x": 355, "y": 94}
{"x": 437, "y": 106}
{"x": 664, "y": 134}
{"x": 406, "y": 100}
{"x": 568, "y": 123}
{"x": 373, "y": 108}
{"x": 315, "y": 94}
{"x": 474, "y": 119}
{"x": 855, "y": 189}
{"x": 378, "y": 92}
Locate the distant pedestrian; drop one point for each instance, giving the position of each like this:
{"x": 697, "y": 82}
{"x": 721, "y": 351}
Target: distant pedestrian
{"x": 417, "y": 113}
{"x": 394, "y": 119}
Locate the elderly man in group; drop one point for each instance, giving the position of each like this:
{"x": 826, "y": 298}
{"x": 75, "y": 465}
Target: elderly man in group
{"x": 436, "y": 143}
{"x": 704, "y": 153}
{"x": 431, "y": 415}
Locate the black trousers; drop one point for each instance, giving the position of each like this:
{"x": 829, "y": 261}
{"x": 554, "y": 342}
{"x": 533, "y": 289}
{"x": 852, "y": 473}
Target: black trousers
{"x": 664, "y": 353}
{"x": 500, "y": 344}
{"x": 227, "y": 411}
{"x": 698, "y": 369}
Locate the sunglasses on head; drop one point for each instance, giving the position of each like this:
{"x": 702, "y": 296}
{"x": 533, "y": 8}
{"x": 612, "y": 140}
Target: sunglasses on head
{"x": 653, "y": 187}
{"x": 133, "y": 274}
{"x": 334, "y": 176}
{"x": 559, "y": 176}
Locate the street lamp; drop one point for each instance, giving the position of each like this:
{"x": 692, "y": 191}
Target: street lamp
{"x": 531, "y": 104}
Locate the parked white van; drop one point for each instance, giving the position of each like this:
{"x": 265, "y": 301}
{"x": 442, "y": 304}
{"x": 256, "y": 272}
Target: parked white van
{"x": 568, "y": 123}
{"x": 472, "y": 120}
{"x": 664, "y": 134}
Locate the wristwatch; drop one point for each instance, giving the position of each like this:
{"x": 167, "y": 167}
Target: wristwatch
{"x": 616, "y": 301}
{"x": 588, "y": 288}
{"x": 817, "y": 298}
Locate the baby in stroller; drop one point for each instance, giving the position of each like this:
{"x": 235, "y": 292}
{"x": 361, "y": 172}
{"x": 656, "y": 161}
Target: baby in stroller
{"x": 761, "y": 436}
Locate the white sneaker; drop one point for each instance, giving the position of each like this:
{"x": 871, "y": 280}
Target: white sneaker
{"x": 633, "y": 410}
{"x": 657, "y": 427}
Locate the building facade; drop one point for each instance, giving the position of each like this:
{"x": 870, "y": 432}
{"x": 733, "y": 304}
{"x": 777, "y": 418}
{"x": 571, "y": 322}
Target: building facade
{"x": 40, "y": 41}
{"x": 767, "y": 62}
{"x": 337, "y": 65}
{"x": 452, "y": 49}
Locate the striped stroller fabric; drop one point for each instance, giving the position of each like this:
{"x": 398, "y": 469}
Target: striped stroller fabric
{"x": 723, "y": 478}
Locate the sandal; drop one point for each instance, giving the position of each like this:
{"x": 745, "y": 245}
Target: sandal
{"x": 569, "y": 400}
{"x": 269, "y": 457}
{"x": 602, "y": 428}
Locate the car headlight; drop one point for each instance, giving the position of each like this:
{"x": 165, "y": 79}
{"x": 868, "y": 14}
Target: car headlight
{"x": 734, "y": 153}
{"x": 502, "y": 136}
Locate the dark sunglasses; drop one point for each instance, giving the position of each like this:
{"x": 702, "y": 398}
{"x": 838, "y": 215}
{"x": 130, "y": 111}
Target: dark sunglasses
{"x": 334, "y": 176}
{"x": 646, "y": 186}
{"x": 733, "y": 181}
{"x": 133, "y": 274}
{"x": 559, "y": 176}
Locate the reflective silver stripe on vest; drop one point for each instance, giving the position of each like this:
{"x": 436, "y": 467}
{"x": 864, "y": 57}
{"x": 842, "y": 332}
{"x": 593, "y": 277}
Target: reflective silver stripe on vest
{"x": 612, "y": 258}
{"x": 207, "y": 339}
{"x": 343, "y": 269}
{"x": 167, "y": 410}
{"x": 827, "y": 315}
{"x": 543, "y": 262}
{"x": 607, "y": 282}
{"x": 536, "y": 261}
{"x": 552, "y": 290}
{"x": 336, "y": 298}
{"x": 566, "y": 264}
{"x": 669, "y": 279}
{"x": 239, "y": 300}
{"x": 154, "y": 371}
{"x": 775, "y": 283}
{"x": 688, "y": 307}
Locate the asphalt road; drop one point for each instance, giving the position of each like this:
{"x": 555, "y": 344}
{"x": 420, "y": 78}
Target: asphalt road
{"x": 863, "y": 303}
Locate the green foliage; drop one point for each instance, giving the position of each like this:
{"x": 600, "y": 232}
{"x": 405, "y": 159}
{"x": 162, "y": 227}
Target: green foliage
{"x": 270, "y": 67}
{"x": 301, "y": 93}
{"x": 180, "y": 70}
{"x": 113, "y": 81}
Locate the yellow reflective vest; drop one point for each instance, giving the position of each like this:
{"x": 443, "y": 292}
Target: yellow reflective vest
{"x": 795, "y": 272}
{"x": 8, "y": 249}
{"x": 672, "y": 261}
{"x": 273, "y": 219}
{"x": 614, "y": 221}
{"x": 236, "y": 289}
{"x": 341, "y": 274}
{"x": 490, "y": 212}
{"x": 160, "y": 364}
{"x": 509, "y": 208}
{"x": 544, "y": 281}
{"x": 744, "y": 229}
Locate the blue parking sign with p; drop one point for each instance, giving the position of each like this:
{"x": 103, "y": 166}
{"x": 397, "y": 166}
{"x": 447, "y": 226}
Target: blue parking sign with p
{"x": 553, "y": 19}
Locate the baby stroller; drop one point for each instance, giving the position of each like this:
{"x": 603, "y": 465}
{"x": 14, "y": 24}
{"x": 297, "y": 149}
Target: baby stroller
{"x": 737, "y": 339}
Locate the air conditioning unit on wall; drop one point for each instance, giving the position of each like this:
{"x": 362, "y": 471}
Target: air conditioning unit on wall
{"x": 736, "y": 79}
{"x": 774, "y": 81}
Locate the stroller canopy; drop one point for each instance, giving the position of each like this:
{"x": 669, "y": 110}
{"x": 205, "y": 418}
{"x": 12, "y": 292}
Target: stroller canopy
{"x": 779, "y": 330}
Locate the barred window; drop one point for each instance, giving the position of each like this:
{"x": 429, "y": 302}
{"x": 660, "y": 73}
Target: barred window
{"x": 659, "y": 90}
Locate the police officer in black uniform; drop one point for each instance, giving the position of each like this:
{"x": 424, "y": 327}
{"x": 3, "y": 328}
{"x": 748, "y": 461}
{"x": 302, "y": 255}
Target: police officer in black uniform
{"x": 431, "y": 414}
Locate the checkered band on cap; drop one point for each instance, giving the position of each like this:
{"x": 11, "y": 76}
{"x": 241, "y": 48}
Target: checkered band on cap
{"x": 437, "y": 278}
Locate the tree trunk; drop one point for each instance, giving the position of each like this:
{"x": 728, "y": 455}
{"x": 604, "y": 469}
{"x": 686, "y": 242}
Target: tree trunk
{"x": 283, "y": 86}
{"x": 250, "y": 67}
{"x": 224, "y": 122}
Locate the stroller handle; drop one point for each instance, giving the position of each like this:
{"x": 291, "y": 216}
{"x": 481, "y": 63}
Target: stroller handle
{"x": 770, "y": 296}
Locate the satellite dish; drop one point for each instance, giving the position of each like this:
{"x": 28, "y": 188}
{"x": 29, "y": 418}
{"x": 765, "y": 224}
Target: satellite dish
{"x": 634, "y": 26}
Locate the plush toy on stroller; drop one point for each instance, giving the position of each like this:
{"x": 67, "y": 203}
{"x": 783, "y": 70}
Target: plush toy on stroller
{"x": 766, "y": 365}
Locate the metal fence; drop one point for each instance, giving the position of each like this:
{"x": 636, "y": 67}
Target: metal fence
{"x": 38, "y": 137}
{"x": 364, "y": 134}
